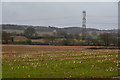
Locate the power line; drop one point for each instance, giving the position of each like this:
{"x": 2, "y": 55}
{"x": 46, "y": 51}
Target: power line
{"x": 57, "y": 18}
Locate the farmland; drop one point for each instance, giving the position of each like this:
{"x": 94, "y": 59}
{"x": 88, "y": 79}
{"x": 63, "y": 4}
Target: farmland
{"x": 36, "y": 61}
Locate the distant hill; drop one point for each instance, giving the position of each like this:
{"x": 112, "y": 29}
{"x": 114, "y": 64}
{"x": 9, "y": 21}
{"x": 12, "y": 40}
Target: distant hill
{"x": 45, "y": 29}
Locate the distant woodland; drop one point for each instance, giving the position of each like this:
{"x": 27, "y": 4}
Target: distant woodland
{"x": 50, "y": 35}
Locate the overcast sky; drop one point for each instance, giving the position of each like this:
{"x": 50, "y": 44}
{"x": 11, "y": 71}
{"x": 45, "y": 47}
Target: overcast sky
{"x": 100, "y": 15}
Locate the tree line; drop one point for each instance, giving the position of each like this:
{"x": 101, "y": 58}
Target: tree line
{"x": 62, "y": 38}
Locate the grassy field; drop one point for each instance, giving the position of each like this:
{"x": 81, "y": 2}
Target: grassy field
{"x": 31, "y": 61}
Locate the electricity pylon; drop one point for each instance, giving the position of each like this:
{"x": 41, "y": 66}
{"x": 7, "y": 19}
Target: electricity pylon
{"x": 84, "y": 26}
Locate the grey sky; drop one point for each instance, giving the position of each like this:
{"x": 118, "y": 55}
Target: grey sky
{"x": 101, "y": 15}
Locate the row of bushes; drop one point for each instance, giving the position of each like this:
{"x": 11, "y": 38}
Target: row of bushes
{"x": 105, "y": 39}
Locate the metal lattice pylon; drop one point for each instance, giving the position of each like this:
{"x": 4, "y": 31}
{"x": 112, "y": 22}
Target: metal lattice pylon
{"x": 84, "y": 25}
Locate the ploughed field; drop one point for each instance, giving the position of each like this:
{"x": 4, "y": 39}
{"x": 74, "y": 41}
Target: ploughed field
{"x": 35, "y": 61}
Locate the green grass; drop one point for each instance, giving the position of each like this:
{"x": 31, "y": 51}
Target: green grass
{"x": 59, "y": 64}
